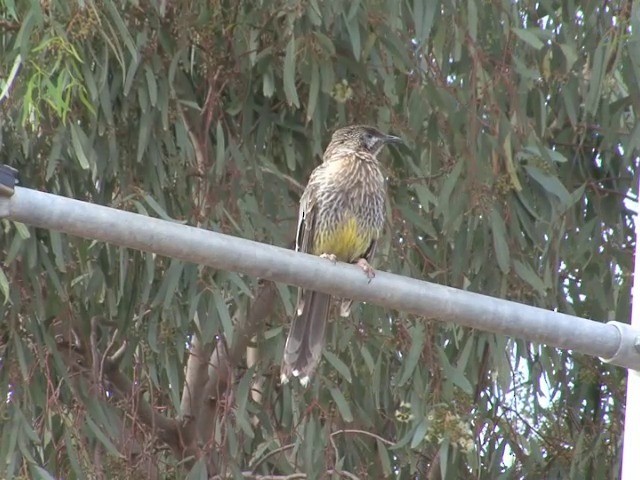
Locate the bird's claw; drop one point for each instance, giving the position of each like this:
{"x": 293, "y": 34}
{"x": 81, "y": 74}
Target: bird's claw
{"x": 329, "y": 256}
{"x": 367, "y": 268}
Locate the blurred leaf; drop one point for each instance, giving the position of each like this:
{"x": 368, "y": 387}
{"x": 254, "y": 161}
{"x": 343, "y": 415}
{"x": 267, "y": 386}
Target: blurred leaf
{"x": 444, "y": 457}
{"x": 223, "y": 314}
{"x": 220, "y": 151}
{"x": 146, "y": 126}
{"x": 56, "y": 246}
{"x": 549, "y": 183}
{"x": 4, "y": 285}
{"x": 198, "y": 471}
{"x": 417, "y": 342}
{"x": 314, "y": 92}
{"x": 102, "y": 438}
{"x": 596, "y": 76}
{"x": 500, "y": 246}
{"x": 447, "y": 188}
{"x": 338, "y": 364}
{"x": 39, "y": 472}
{"x": 77, "y": 137}
{"x": 472, "y": 19}
{"x": 383, "y": 455}
{"x": 17, "y": 62}
{"x": 243, "y": 394}
{"x": 289, "y": 74}
{"x": 420, "y": 433}
{"x": 157, "y": 208}
{"x": 22, "y": 230}
{"x": 368, "y": 359}
{"x": 152, "y": 86}
{"x": 342, "y": 404}
{"x": 529, "y": 36}
{"x": 454, "y": 374}
{"x": 525, "y": 272}
{"x": 351, "y": 22}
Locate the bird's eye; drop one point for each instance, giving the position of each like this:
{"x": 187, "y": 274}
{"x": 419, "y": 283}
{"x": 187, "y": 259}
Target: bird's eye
{"x": 369, "y": 140}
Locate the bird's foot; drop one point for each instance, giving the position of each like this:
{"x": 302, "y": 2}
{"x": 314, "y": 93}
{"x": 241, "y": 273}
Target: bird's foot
{"x": 329, "y": 256}
{"x": 366, "y": 267}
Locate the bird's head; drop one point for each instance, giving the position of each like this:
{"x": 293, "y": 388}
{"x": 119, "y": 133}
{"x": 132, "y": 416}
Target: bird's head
{"x": 361, "y": 138}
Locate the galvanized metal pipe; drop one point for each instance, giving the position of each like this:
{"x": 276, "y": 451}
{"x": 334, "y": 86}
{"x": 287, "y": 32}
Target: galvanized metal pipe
{"x": 613, "y": 342}
{"x": 631, "y": 441}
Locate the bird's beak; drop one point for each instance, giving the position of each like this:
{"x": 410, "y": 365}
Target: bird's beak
{"x": 392, "y": 139}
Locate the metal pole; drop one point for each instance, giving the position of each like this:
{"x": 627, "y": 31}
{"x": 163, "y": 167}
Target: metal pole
{"x": 613, "y": 342}
{"x": 631, "y": 441}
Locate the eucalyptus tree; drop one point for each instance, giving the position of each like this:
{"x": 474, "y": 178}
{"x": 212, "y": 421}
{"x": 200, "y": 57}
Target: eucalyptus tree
{"x": 521, "y": 153}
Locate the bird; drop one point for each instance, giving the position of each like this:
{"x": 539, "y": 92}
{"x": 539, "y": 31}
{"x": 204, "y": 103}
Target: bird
{"x": 341, "y": 217}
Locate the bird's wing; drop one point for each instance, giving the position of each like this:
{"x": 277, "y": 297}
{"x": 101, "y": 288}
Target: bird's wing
{"x": 305, "y": 231}
{"x": 306, "y": 224}
{"x": 303, "y": 348}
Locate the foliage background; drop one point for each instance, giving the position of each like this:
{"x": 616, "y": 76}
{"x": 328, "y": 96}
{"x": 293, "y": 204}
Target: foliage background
{"x": 520, "y": 123}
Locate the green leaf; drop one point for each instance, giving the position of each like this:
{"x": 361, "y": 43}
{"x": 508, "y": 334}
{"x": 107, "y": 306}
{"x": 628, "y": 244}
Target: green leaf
{"x": 325, "y": 42}
{"x": 526, "y": 273}
{"x": 447, "y": 188}
{"x": 550, "y": 183}
{"x": 289, "y": 74}
{"x": 444, "y": 458}
{"x": 314, "y": 92}
{"x": 596, "y": 76}
{"x": 102, "y": 438}
{"x": 342, "y": 404}
{"x": 424, "y": 15}
{"x": 17, "y": 62}
{"x": 417, "y": 333}
{"x": 39, "y": 472}
{"x": 172, "y": 368}
{"x": 221, "y": 158}
{"x": 152, "y": 86}
{"x": 338, "y": 364}
{"x": 77, "y": 139}
{"x": 122, "y": 28}
{"x": 4, "y": 285}
{"x": 225, "y": 318}
{"x": 368, "y": 359}
{"x": 144, "y": 133}
{"x": 383, "y": 455}
{"x": 511, "y": 168}
{"x": 353, "y": 28}
{"x": 419, "y": 433}
{"x": 425, "y": 197}
{"x": 72, "y": 455}
{"x": 56, "y": 246}
{"x": 169, "y": 284}
{"x": 472, "y": 19}
{"x": 500, "y": 245}
{"x": 156, "y": 207}
{"x": 243, "y": 394}
{"x": 529, "y": 37}
{"x": 268, "y": 84}
{"x": 198, "y": 471}
{"x": 454, "y": 374}
{"x": 22, "y": 230}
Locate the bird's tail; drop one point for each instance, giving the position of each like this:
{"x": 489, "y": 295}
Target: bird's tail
{"x": 305, "y": 342}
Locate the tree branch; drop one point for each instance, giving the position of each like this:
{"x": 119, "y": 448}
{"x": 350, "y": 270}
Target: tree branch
{"x": 364, "y": 432}
{"x": 168, "y": 430}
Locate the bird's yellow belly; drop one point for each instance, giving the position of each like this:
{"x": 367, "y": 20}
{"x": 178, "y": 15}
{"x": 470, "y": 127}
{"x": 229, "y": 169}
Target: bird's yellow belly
{"x": 347, "y": 241}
